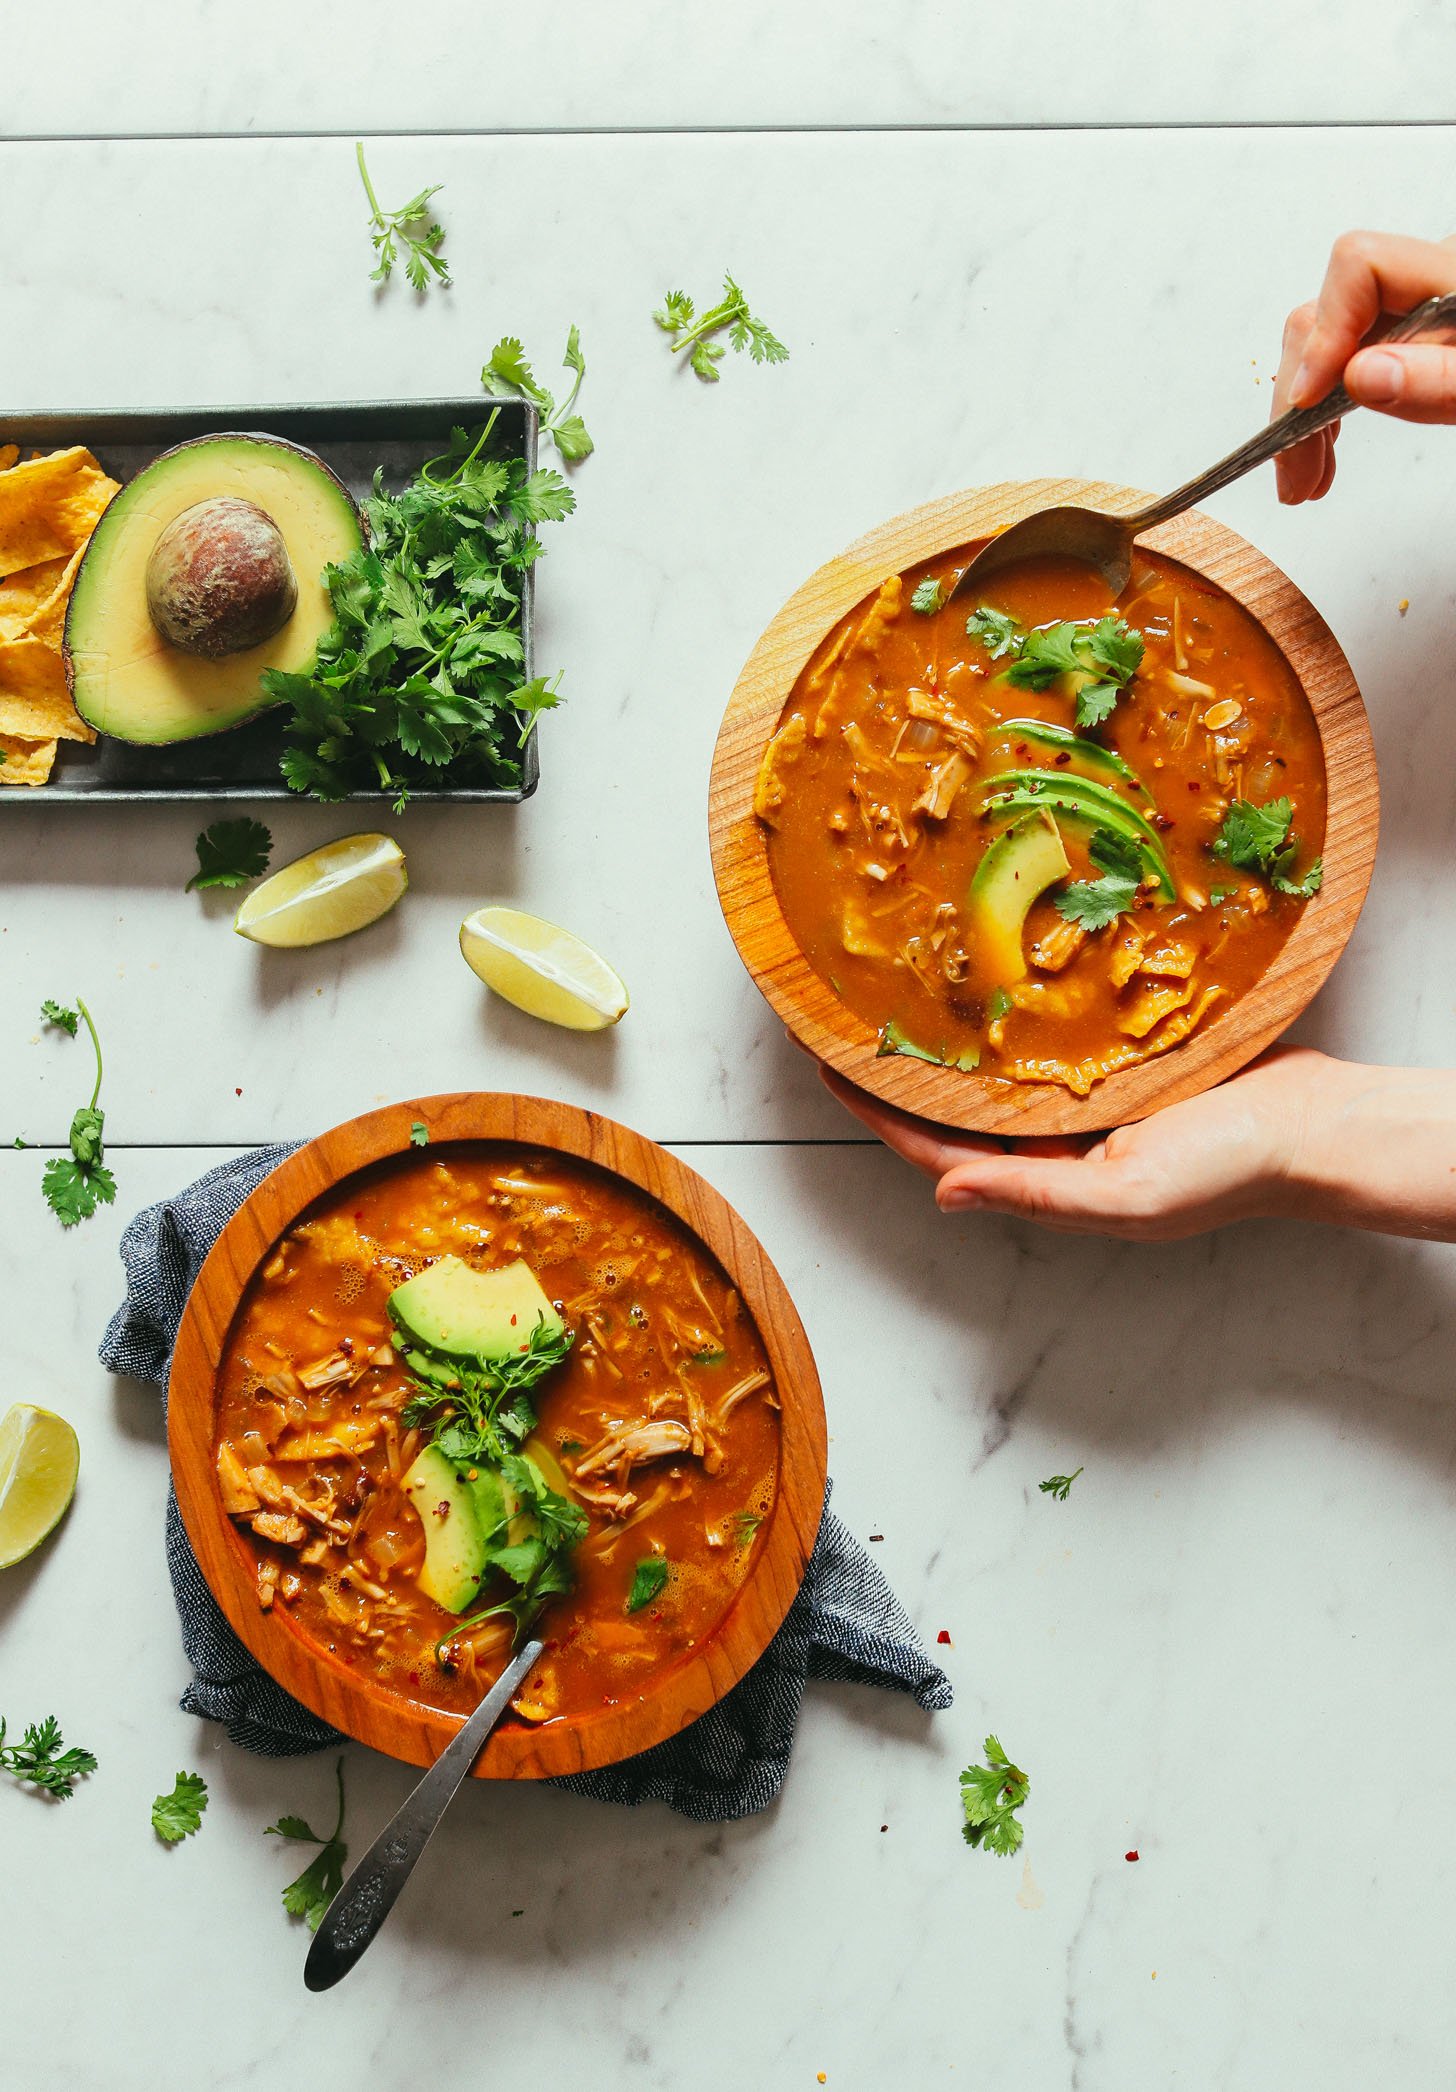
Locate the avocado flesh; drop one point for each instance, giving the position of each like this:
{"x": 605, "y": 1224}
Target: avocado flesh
{"x": 456, "y": 1312}
{"x": 1073, "y": 801}
{"x": 1018, "y": 866}
{"x": 455, "y": 1543}
{"x": 126, "y": 679}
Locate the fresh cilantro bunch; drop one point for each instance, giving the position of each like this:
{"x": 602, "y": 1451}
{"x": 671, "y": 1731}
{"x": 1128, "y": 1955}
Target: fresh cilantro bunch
{"x": 177, "y": 1815}
{"x": 420, "y": 675}
{"x": 678, "y": 316}
{"x": 414, "y": 225}
{"x": 230, "y": 853}
{"x": 481, "y": 1409}
{"x": 508, "y": 376}
{"x": 75, "y": 1185}
{"x": 1101, "y": 659}
{"x": 1094, "y": 903}
{"x": 1258, "y": 839}
{"x": 990, "y": 1795}
{"x": 40, "y": 1760}
{"x": 315, "y": 1889}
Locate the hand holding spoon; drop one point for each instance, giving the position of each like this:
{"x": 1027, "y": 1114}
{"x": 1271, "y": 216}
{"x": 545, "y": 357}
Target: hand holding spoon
{"x": 367, "y": 1897}
{"x": 1106, "y": 542}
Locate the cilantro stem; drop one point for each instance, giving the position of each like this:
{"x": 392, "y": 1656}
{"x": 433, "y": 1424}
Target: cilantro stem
{"x": 96, "y": 1044}
{"x": 368, "y": 185}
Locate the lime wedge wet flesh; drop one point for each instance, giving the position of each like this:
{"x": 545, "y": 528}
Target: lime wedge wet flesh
{"x": 39, "y": 1459}
{"x": 332, "y": 892}
{"x": 542, "y": 969}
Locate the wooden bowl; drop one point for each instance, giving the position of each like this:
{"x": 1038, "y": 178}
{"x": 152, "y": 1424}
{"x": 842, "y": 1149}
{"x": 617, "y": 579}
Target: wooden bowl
{"x": 806, "y": 1003}
{"x": 389, "y": 1719}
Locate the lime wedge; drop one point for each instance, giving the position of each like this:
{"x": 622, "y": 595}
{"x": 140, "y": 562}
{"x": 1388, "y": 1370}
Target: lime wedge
{"x": 332, "y": 892}
{"x": 542, "y": 969}
{"x": 39, "y": 1458}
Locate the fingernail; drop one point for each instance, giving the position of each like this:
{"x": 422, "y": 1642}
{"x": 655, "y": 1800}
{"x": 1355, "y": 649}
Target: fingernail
{"x": 959, "y": 1200}
{"x": 1381, "y": 377}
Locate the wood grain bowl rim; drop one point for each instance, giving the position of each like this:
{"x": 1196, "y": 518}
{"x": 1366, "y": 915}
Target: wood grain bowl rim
{"x": 806, "y": 1004}
{"x": 370, "y": 1711}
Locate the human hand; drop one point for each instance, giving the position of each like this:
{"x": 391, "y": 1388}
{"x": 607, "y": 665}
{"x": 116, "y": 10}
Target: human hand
{"x": 1369, "y": 274}
{"x": 1295, "y": 1135}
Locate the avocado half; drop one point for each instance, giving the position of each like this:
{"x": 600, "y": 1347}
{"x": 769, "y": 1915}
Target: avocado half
{"x": 126, "y": 679}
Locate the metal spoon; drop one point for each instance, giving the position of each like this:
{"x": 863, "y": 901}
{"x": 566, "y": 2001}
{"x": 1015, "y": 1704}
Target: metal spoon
{"x": 1106, "y": 542}
{"x": 367, "y": 1897}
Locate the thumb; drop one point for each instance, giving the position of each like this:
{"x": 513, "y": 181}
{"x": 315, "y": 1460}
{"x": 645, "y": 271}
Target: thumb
{"x": 1415, "y": 382}
{"x": 1088, "y": 1194}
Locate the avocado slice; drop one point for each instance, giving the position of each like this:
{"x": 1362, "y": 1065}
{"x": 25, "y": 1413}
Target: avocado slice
{"x": 126, "y": 678}
{"x": 1083, "y": 800}
{"x": 1066, "y": 742}
{"x": 455, "y": 1540}
{"x": 1019, "y": 865}
{"x": 454, "y": 1311}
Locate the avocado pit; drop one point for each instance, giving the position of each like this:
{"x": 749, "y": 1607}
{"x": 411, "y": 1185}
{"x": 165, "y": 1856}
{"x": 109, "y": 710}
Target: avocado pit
{"x": 219, "y": 579}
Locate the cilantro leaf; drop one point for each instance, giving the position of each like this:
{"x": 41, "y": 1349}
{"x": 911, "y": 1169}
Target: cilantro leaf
{"x": 990, "y": 1796}
{"x": 74, "y": 1185}
{"x": 893, "y": 1040}
{"x": 998, "y": 1005}
{"x": 1117, "y": 648}
{"x": 55, "y": 1013}
{"x": 648, "y": 1580}
{"x": 1045, "y": 655}
{"x": 414, "y": 225}
{"x": 928, "y": 597}
{"x": 1094, "y": 903}
{"x": 697, "y": 333}
{"x": 1260, "y": 839}
{"x": 998, "y": 633}
{"x": 1101, "y": 660}
{"x": 1094, "y": 702}
{"x": 40, "y": 1760}
{"x": 1058, "y": 1485}
{"x": 419, "y": 1134}
{"x": 508, "y": 375}
{"x": 178, "y": 1814}
{"x": 309, "y": 1896}
{"x": 230, "y": 853}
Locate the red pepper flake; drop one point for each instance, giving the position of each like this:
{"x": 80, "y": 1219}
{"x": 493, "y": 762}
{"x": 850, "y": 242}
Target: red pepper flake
{"x": 237, "y": 1093}
{"x": 884, "y": 1826}
{"x": 1131, "y": 1855}
{"x": 875, "y": 1537}
{"x": 944, "y": 1639}
{"x": 442, "y": 1509}
{"x": 1063, "y": 759}
{"x": 1195, "y": 784}
{"x": 1161, "y": 821}
{"x": 513, "y": 1322}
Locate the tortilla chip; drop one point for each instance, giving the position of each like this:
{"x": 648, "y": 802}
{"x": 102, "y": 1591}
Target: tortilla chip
{"x": 34, "y": 700}
{"x": 25, "y": 762}
{"x": 48, "y": 622}
{"x": 9, "y": 452}
{"x": 49, "y": 506}
{"x": 23, "y": 594}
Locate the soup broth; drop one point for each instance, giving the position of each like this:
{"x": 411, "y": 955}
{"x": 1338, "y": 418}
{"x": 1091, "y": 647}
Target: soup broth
{"x": 1156, "y": 758}
{"x": 660, "y": 1427}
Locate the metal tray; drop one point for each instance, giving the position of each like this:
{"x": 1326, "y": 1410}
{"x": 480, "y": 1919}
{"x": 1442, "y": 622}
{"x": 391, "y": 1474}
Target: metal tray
{"x": 354, "y": 440}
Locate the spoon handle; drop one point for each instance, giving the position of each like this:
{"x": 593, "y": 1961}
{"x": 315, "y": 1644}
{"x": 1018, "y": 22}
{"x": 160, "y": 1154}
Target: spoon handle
{"x": 1436, "y": 315}
{"x": 367, "y": 1897}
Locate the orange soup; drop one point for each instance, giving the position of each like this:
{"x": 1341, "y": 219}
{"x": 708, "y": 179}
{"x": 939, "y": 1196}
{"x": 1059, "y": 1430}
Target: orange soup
{"x": 420, "y": 1492}
{"x": 1040, "y": 833}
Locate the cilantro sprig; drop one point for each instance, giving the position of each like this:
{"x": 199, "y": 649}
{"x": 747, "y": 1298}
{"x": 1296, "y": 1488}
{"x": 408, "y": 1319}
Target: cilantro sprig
{"x": 1094, "y": 903}
{"x": 1100, "y": 659}
{"x": 928, "y": 596}
{"x": 990, "y": 1795}
{"x": 535, "y": 1568}
{"x": 75, "y": 1185}
{"x": 414, "y": 225}
{"x": 480, "y": 1409}
{"x": 41, "y": 1760}
{"x": 230, "y": 853}
{"x": 421, "y": 672}
{"x": 1058, "y": 1485}
{"x": 309, "y": 1896}
{"x": 696, "y": 332}
{"x": 179, "y": 1814}
{"x": 1260, "y": 839}
{"x": 507, "y": 375}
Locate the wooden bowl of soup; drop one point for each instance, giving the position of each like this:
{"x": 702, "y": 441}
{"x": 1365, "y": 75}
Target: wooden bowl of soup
{"x": 1040, "y": 862}
{"x": 479, "y": 1366}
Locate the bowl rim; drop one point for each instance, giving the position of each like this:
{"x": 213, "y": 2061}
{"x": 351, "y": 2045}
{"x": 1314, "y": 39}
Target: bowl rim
{"x": 366, "y": 1709}
{"x": 980, "y": 1102}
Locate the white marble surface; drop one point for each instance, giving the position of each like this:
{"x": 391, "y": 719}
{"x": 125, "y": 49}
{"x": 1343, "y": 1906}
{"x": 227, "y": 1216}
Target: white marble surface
{"x": 1061, "y": 327}
{"x": 1229, "y": 1650}
{"x": 462, "y": 65}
